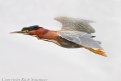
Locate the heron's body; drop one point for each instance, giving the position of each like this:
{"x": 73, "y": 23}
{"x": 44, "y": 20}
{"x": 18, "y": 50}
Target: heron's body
{"x": 75, "y": 33}
{"x": 52, "y": 36}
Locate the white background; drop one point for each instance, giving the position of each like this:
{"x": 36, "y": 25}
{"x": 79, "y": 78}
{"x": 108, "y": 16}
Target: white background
{"x": 25, "y": 57}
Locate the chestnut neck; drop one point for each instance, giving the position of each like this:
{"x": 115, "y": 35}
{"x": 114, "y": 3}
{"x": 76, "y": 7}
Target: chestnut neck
{"x": 43, "y": 33}
{"x": 40, "y": 31}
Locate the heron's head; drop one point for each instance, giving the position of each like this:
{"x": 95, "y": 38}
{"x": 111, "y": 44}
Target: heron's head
{"x": 28, "y": 30}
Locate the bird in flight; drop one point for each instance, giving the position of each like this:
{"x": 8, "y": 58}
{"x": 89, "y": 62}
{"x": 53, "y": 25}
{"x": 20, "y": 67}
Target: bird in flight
{"x": 75, "y": 33}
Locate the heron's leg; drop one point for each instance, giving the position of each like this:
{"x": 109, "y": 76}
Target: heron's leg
{"x": 97, "y": 51}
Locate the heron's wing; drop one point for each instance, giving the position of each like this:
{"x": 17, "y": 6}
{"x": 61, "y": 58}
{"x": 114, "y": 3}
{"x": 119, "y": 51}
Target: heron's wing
{"x": 75, "y": 24}
{"x": 80, "y": 38}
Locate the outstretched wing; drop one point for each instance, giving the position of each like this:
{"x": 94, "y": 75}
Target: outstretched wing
{"x": 75, "y": 24}
{"x": 80, "y": 38}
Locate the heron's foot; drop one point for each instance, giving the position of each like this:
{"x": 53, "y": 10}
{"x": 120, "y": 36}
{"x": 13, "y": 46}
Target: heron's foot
{"x": 97, "y": 51}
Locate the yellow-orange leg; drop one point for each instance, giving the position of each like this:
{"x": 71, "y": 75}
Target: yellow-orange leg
{"x": 97, "y": 51}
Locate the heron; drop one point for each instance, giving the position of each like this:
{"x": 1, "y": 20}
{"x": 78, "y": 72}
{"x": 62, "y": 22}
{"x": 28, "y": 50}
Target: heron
{"x": 75, "y": 33}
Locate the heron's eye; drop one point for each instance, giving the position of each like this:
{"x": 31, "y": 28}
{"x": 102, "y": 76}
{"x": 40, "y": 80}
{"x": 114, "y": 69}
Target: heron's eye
{"x": 25, "y": 31}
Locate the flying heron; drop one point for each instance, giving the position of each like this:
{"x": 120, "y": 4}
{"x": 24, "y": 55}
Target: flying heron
{"x": 75, "y": 33}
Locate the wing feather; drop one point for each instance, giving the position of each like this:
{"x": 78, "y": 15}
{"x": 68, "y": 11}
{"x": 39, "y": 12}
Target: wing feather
{"x": 80, "y": 38}
{"x": 75, "y": 24}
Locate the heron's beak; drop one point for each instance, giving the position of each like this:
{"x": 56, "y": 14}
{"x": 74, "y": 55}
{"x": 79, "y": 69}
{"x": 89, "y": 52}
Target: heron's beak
{"x": 19, "y": 32}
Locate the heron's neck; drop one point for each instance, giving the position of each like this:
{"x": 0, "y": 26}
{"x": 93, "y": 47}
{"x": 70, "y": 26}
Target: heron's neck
{"x": 43, "y": 33}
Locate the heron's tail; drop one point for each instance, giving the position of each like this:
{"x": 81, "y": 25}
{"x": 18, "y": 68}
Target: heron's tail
{"x": 97, "y": 51}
